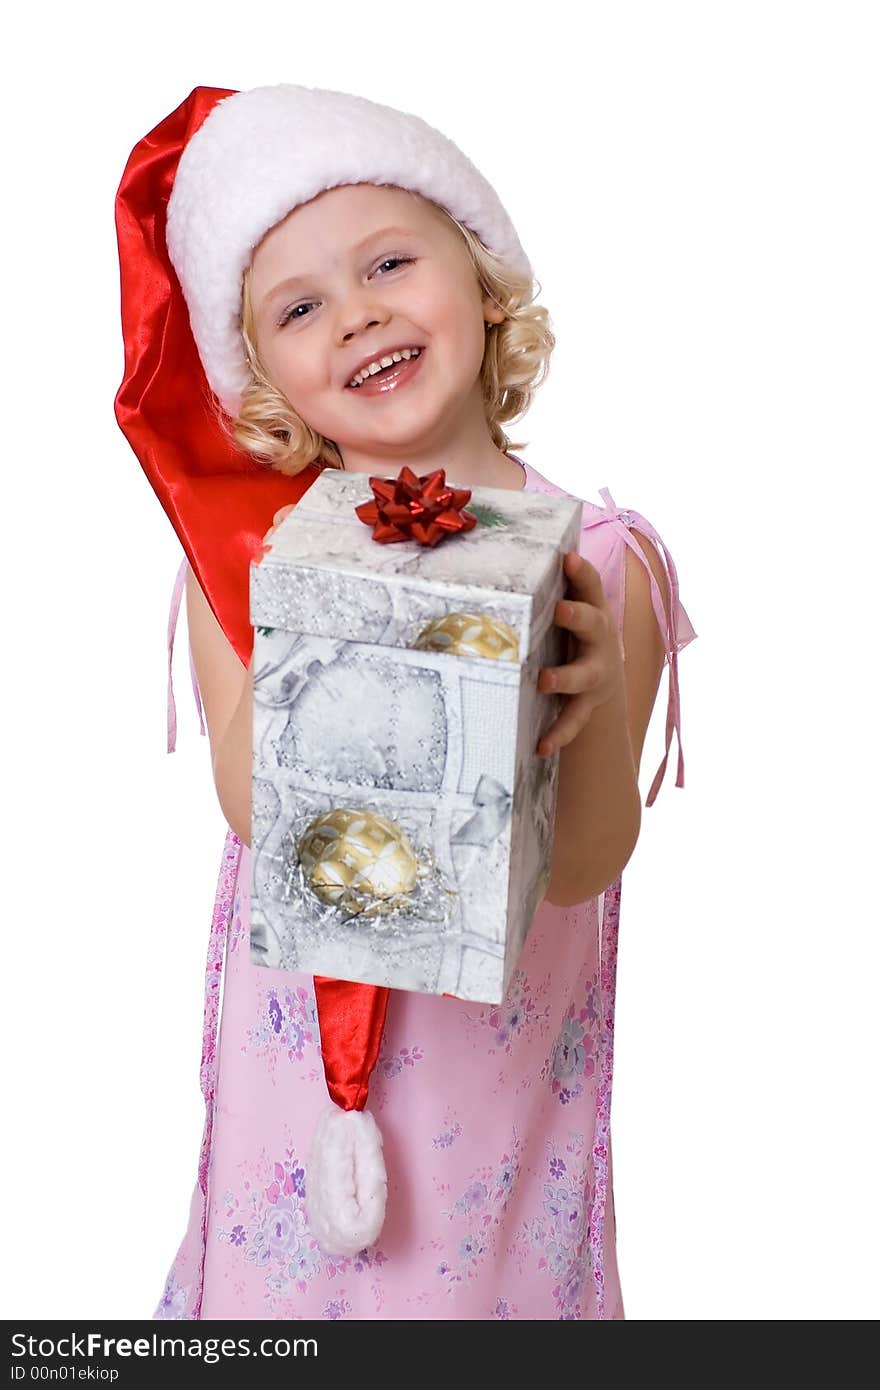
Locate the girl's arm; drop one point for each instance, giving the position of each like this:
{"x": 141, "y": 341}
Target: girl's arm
{"x": 598, "y": 809}
{"x": 228, "y": 699}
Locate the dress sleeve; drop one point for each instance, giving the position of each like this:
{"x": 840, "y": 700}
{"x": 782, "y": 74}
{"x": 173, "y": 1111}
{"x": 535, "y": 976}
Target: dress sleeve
{"x": 604, "y": 538}
{"x": 173, "y": 615}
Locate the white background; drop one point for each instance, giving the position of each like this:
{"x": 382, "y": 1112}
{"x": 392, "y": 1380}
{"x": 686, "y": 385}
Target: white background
{"x": 696, "y": 184}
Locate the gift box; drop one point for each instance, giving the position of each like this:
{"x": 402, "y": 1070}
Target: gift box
{"x": 402, "y": 824}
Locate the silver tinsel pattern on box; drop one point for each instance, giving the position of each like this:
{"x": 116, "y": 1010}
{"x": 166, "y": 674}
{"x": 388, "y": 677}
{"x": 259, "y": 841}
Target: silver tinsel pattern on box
{"x": 402, "y": 822}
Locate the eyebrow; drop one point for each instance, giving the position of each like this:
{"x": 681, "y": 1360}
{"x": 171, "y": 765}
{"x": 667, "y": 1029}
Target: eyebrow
{"x": 293, "y": 280}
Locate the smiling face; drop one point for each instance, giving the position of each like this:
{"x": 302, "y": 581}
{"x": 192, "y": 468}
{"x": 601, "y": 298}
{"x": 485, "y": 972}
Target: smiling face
{"x": 345, "y": 279}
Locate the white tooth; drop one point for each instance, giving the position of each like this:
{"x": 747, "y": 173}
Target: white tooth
{"x": 377, "y": 366}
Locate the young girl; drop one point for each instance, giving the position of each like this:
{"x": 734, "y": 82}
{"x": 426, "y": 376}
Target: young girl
{"x": 353, "y": 293}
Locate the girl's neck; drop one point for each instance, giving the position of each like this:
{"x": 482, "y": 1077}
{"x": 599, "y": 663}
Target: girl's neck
{"x": 492, "y": 468}
{"x": 459, "y": 441}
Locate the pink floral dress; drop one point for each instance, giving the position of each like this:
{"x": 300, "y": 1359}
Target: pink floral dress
{"x": 500, "y": 1201}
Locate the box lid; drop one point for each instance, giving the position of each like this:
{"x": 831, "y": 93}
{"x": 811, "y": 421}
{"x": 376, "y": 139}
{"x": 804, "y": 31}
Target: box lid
{"x": 324, "y": 574}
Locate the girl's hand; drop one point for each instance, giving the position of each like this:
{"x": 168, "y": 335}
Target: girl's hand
{"x": 594, "y": 673}
{"x": 277, "y": 520}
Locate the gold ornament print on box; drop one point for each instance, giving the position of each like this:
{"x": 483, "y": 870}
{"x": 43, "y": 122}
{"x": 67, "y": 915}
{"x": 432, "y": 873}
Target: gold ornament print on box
{"x": 358, "y": 861}
{"x": 470, "y": 634}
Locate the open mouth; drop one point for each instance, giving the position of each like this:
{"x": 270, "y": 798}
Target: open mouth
{"x": 389, "y": 378}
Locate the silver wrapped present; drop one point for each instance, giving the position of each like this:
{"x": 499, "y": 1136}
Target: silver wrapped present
{"x": 402, "y": 821}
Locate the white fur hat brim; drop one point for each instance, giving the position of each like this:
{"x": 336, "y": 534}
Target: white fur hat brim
{"x": 263, "y": 152}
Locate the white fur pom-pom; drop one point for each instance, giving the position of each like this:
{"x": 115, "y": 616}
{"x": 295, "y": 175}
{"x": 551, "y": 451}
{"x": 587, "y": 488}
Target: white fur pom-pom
{"x": 346, "y": 1185}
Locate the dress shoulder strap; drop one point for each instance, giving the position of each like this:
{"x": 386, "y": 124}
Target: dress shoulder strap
{"x": 677, "y": 631}
{"x": 174, "y": 612}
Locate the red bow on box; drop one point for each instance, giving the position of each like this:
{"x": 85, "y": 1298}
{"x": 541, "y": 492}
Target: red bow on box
{"x": 419, "y": 509}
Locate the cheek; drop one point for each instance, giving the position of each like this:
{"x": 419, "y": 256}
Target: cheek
{"x": 291, "y": 366}
{"x": 458, "y": 320}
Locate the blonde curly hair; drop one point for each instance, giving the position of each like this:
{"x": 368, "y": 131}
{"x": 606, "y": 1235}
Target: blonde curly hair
{"x": 515, "y": 363}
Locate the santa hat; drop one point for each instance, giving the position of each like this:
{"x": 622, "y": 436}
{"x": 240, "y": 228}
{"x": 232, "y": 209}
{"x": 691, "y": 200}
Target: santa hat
{"x": 198, "y": 194}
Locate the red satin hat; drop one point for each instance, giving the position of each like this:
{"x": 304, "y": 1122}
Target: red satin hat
{"x": 220, "y": 501}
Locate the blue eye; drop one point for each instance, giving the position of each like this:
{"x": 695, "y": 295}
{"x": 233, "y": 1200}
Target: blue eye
{"x": 294, "y": 312}
{"x": 291, "y": 313}
{"x": 396, "y": 260}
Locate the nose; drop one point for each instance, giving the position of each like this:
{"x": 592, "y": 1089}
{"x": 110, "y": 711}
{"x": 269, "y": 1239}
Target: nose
{"x": 371, "y": 323}
{"x": 357, "y": 319}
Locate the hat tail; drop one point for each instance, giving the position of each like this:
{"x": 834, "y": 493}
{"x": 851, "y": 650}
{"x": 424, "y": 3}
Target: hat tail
{"x": 346, "y": 1182}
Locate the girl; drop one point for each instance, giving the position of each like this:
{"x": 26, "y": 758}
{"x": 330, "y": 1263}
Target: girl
{"x": 352, "y": 291}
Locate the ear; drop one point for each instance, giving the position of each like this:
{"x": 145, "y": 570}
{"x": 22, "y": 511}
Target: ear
{"x": 491, "y": 311}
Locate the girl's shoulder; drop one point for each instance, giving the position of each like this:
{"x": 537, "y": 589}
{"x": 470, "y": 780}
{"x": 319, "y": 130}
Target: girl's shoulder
{"x": 537, "y": 482}
{"x": 599, "y": 537}
{"x": 594, "y": 512}
{"x": 605, "y": 525}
